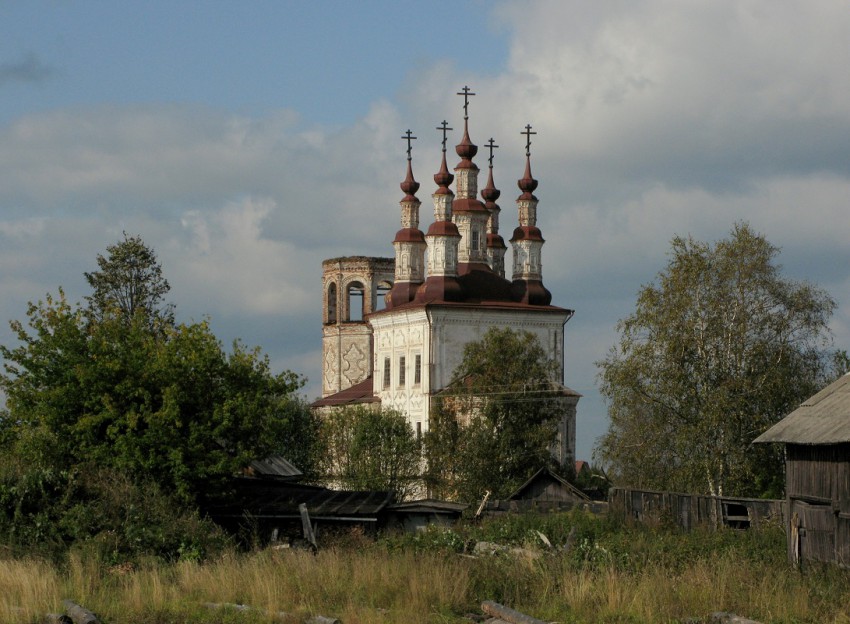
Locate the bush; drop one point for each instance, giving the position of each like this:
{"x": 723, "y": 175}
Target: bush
{"x": 46, "y": 512}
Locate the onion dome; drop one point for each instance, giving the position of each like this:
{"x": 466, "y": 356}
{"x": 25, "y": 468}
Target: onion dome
{"x": 409, "y": 242}
{"x": 527, "y": 241}
{"x": 409, "y": 186}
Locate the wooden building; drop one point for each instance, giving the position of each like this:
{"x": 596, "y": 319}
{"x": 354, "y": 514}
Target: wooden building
{"x": 817, "y": 475}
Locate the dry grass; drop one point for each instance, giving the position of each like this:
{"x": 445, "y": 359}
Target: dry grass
{"x": 365, "y": 584}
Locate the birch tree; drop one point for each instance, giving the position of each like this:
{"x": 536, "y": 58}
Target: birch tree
{"x": 720, "y": 346}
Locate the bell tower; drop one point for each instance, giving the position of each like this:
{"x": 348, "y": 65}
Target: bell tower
{"x": 353, "y": 287}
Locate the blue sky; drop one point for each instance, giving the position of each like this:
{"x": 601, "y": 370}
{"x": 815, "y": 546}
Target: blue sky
{"x": 248, "y": 141}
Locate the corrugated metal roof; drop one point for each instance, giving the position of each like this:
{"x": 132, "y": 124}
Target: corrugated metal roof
{"x": 274, "y": 466}
{"x": 821, "y": 419}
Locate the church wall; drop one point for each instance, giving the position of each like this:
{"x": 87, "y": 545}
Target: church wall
{"x": 453, "y": 328}
{"x": 396, "y": 335}
{"x": 438, "y": 335}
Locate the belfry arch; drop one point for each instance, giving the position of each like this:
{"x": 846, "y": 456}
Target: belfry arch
{"x": 353, "y": 287}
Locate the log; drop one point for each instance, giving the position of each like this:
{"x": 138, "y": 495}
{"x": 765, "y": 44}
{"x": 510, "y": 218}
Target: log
{"x": 507, "y": 614}
{"x": 321, "y": 619}
{"x": 57, "y": 618}
{"x": 722, "y": 617}
{"x": 79, "y": 614}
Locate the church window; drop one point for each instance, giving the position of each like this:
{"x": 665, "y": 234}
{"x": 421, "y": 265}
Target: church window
{"x": 386, "y": 373}
{"x": 476, "y": 240}
{"x": 418, "y": 431}
{"x": 417, "y": 370}
{"x": 355, "y": 301}
{"x": 332, "y": 303}
{"x": 401, "y": 370}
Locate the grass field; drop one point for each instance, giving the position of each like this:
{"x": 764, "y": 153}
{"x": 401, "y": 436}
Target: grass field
{"x": 609, "y": 574}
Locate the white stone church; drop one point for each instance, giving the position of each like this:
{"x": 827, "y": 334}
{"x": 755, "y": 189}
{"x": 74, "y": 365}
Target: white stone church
{"x": 395, "y": 328}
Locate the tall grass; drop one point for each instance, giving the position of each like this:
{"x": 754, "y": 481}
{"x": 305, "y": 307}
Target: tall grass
{"x": 610, "y": 574}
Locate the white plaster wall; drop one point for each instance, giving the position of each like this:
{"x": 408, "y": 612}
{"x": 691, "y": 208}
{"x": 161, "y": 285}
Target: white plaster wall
{"x": 452, "y": 328}
{"x": 403, "y": 333}
{"x": 439, "y": 334}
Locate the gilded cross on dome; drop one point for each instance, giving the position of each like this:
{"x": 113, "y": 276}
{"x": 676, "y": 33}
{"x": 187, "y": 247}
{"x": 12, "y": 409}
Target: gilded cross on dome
{"x": 528, "y": 134}
{"x": 408, "y": 136}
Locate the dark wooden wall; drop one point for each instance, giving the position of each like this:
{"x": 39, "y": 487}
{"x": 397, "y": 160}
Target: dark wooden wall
{"x": 691, "y": 510}
{"x": 818, "y": 493}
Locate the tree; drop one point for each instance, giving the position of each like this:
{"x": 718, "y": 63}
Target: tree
{"x": 719, "y": 348}
{"x": 494, "y": 426}
{"x": 368, "y": 449}
{"x": 129, "y": 282}
{"x": 163, "y": 402}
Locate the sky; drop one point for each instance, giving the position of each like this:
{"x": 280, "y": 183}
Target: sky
{"x": 247, "y": 142}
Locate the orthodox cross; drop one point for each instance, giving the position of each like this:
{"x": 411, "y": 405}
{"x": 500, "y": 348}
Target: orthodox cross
{"x": 465, "y": 92}
{"x": 408, "y": 136}
{"x": 445, "y": 128}
{"x": 491, "y": 145}
{"x": 528, "y": 134}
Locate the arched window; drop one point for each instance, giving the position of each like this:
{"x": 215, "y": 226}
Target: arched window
{"x": 331, "y": 303}
{"x": 354, "y": 301}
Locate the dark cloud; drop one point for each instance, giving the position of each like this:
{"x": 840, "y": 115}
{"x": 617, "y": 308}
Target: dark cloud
{"x": 28, "y": 69}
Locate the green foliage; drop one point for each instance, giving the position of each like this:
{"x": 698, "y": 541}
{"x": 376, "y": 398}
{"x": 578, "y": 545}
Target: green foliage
{"x": 719, "y": 348}
{"x": 102, "y": 510}
{"x": 129, "y": 283}
{"x": 494, "y": 426}
{"x": 172, "y": 406}
{"x": 121, "y": 386}
{"x": 366, "y": 449}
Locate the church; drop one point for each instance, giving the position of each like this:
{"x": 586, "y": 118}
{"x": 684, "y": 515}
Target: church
{"x": 394, "y": 329}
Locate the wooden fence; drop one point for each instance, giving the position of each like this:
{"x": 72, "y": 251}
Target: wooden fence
{"x": 692, "y": 510}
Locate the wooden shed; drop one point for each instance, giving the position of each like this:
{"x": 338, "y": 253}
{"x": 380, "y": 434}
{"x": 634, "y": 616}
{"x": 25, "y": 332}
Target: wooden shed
{"x": 817, "y": 475}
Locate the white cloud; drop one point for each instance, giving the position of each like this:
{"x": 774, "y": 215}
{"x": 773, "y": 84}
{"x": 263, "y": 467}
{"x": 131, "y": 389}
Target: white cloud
{"x": 654, "y": 118}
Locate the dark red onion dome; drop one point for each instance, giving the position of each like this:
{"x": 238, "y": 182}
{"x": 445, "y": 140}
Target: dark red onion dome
{"x": 466, "y": 149}
{"x": 490, "y": 193}
{"x": 527, "y": 184}
{"x": 409, "y": 186}
{"x": 443, "y": 178}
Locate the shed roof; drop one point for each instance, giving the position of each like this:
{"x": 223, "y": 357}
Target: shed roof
{"x": 274, "y": 466}
{"x": 545, "y": 473}
{"x": 821, "y": 419}
{"x": 282, "y": 501}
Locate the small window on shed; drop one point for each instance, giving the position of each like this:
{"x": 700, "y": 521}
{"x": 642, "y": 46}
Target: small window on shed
{"x": 736, "y": 516}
